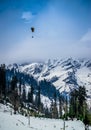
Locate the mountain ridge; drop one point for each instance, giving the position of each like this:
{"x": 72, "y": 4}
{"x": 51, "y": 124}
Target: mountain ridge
{"x": 64, "y": 74}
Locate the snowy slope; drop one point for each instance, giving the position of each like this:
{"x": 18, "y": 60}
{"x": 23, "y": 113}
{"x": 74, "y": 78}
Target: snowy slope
{"x": 18, "y": 122}
{"x": 65, "y": 74}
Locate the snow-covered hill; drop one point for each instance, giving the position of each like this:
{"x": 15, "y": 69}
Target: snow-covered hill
{"x": 65, "y": 74}
{"x": 19, "y": 122}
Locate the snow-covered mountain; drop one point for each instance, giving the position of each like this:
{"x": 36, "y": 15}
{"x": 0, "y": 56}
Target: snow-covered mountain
{"x": 65, "y": 74}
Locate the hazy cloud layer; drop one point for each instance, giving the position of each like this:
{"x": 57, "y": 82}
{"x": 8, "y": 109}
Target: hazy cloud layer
{"x": 38, "y": 49}
{"x": 86, "y": 37}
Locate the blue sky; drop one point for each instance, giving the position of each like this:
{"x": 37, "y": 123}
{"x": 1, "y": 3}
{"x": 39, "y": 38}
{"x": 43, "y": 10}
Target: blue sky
{"x": 62, "y": 29}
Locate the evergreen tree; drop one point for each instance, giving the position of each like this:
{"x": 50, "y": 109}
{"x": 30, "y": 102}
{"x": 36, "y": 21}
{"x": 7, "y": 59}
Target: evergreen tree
{"x": 14, "y": 83}
{"x": 51, "y": 109}
{"x": 73, "y": 102}
{"x": 2, "y": 79}
{"x": 54, "y": 110}
{"x": 60, "y": 106}
{"x": 24, "y": 95}
{"x": 20, "y": 86}
{"x": 41, "y": 107}
{"x": 30, "y": 95}
{"x": 14, "y": 97}
{"x": 39, "y": 99}
{"x": 78, "y": 103}
{"x": 47, "y": 112}
{"x": 82, "y": 100}
{"x": 15, "y": 100}
{"x": 66, "y": 107}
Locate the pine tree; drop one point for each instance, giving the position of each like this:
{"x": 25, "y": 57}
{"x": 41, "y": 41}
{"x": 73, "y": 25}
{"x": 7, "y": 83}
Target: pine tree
{"x": 2, "y": 80}
{"x": 24, "y": 95}
{"x": 51, "y": 109}
{"x": 39, "y": 99}
{"x": 54, "y": 110}
{"x": 46, "y": 111}
{"x": 20, "y": 86}
{"x": 14, "y": 97}
{"x": 78, "y": 103}
{"x": 82, "y": 100}
{"x": 30, "y": 95}
{"x": 60, "y": 106}
{"x": 73, "y": 103}
{"x": 66, "y": 107}
{"x": 14, "y": 83}
{"x": 15, "y": 100}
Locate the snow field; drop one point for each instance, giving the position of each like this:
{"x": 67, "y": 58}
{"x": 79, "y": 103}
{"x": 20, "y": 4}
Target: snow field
{"x": 19, "y": 122}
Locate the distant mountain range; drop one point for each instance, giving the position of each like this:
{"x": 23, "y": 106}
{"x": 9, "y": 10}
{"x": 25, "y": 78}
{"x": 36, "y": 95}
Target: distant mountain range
{"x": 64, "y": 74}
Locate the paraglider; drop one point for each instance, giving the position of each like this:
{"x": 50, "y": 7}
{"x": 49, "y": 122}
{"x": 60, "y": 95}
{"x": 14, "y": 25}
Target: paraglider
{"x": 32, "y": 29}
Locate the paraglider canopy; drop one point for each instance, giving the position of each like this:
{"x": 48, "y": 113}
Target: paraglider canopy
{"x": 32, "y": 29}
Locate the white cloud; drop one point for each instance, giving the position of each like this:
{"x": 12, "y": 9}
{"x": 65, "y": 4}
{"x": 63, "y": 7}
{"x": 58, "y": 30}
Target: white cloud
{"x": 87, "y": 36}
{"x": 27, "y": 16}
{"x": 86, "y": 39}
